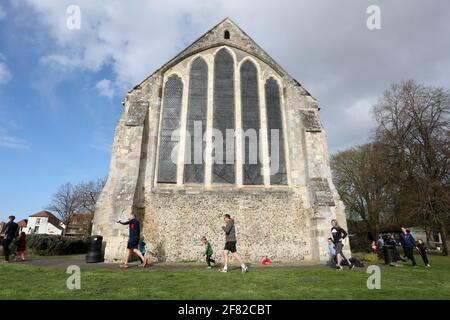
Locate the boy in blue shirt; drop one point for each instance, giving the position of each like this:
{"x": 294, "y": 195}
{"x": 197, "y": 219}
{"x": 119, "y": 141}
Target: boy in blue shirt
{"x": 332, "y": 251}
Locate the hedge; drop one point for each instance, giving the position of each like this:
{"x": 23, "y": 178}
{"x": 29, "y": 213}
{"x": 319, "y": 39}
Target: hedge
{"x": 359, "y": 243}
{"x": 48, "y": 245}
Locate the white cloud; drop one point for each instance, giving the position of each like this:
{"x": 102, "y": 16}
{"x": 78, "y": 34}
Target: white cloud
{"x": 2, "y": 13}
{"x": 6, "y": 139}
{"x": 353, "y": 127}
{"x": 134, "y": 39}
{"x": 104, "y": 147}
{"x": 5, "y": 74}
{"x": 10, "y": 142}
{"x": 325, "y": 45}
{"x": 104, "y": 88}
{"x": 360, "y": 112}
{"x": 61, "y": 62}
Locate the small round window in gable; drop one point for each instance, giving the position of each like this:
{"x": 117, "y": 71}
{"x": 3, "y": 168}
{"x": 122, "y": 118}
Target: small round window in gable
{"x": 226, "y": 34}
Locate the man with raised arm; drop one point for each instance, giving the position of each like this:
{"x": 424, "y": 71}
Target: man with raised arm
{"x": 133, "y": 241}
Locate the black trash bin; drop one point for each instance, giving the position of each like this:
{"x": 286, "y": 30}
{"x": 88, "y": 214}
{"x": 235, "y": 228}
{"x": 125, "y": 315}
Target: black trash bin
{"x": 94, "y": 253}
{"x": 388, "y": 253}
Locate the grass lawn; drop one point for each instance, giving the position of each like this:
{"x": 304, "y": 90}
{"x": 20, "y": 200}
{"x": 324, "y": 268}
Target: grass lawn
{"x": 20, "y": 281}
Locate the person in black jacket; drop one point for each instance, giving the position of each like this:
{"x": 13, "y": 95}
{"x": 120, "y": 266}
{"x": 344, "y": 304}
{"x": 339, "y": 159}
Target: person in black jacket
{"x": 422, "y": 249}
{"x": 11, "y": 232}
{"x": 395, "y": 254}
{"x": 133, "y": 241}
{"x": 339, "y": 234}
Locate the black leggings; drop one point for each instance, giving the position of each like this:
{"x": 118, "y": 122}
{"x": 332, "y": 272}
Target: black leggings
{"x": 209, "y": 260}
{"x": 6, "y": 250}
{"x": 409, "y": 252}
{"x": 338, "y": 247}
{"x": 425, "y": 258}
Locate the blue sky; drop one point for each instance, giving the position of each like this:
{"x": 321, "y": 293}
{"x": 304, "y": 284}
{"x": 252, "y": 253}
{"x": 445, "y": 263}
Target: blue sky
{"x": 54, "y": 126}
{"x": 61, "y": 89}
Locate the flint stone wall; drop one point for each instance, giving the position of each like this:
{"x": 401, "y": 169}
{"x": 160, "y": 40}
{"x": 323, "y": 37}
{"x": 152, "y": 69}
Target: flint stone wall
{"x": 273, "y": 224}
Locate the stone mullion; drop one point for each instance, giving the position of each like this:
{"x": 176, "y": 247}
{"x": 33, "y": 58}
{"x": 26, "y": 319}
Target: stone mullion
{"x": 263, "y": 134}
{"x": 285, "y": 136}
{"x": 209, "y": 122}
{"x": 158, "y": 139}
{"x": 238, "y": 126}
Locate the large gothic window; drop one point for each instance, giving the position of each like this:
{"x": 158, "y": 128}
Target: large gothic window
{"x": 173, "y": 93}
{"x": 251, "y": 124}
{"x": 223, "y": 168}
{"x": 194, "y": 168}
{"x": 278, "y": 173}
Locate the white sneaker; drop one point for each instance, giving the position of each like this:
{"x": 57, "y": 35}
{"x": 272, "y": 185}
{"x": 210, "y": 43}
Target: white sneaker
{"x": 244, "y": 269}
{"x": 223, "y": 270}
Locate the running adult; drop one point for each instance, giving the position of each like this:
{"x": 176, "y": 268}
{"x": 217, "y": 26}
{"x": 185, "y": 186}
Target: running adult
{"x": 230, "y": 244}
{"x": 338, "y": 235}
{"x": 133, "y": 241}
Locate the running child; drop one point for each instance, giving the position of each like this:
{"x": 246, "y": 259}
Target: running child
{"x": 208, "y": 252}
{"x": 422, "y": 249}
{"x": 21, "y": 246}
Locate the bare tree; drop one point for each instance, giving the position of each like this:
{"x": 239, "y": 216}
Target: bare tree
{"x": 65, "y": 203}
{"x": 88, "y": 193}
{"x": 413, "y": 125}
{"x": 360, "y": 179}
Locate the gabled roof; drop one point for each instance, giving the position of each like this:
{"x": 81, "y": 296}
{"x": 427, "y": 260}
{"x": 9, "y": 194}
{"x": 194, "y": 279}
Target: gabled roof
{"x": 23, "y": 223}
{"x": 52, "y": 219}
{"x": 214, "y": 38}
{"x": 43, "y": 214}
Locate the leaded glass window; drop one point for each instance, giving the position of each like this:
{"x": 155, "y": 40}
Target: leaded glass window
{"x": 194, "y": 168}
{"x": 278, "y": 174}
{"x": 173, "y": 93}
{"x": 251, "y": 124}
{"x": 223, "y": 167}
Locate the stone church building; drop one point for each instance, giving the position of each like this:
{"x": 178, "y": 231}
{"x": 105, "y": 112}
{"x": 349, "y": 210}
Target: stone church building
{"x": 180, "y": 189}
